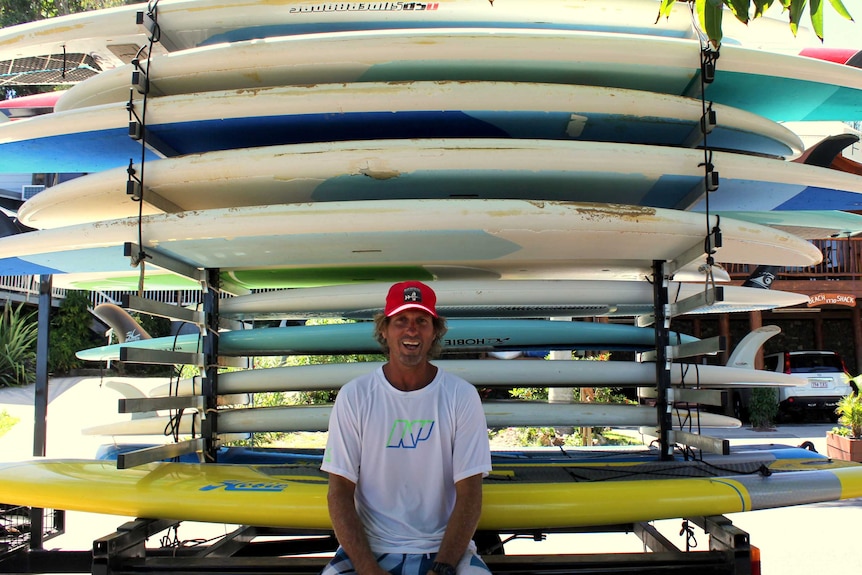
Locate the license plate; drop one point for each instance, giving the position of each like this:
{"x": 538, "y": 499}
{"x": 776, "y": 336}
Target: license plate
{"x": 819, "y": 383}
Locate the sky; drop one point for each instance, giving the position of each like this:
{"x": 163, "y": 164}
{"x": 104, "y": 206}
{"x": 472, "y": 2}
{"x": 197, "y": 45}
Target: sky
{"x": 838, "y": 32}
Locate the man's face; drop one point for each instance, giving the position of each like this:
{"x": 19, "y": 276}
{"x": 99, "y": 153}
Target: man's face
{"x": 410, "y": 336}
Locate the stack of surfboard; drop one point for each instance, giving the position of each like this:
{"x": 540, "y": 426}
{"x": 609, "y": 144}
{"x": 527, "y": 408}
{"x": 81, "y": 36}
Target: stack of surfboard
{"x": 451, "y": 141}
{"x": 518, "y": 154}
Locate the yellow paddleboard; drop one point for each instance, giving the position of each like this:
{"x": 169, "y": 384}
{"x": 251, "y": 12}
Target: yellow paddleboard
{"x": 515, "y": 496}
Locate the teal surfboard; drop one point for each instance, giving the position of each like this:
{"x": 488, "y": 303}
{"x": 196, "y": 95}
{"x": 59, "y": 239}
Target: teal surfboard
{"x": 475, "y": 335}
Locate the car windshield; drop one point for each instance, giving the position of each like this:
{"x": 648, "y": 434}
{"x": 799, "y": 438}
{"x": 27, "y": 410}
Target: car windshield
{"x": 813, "y": 363}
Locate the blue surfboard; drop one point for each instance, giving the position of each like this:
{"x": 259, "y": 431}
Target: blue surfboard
{"x": 97, "y": 138}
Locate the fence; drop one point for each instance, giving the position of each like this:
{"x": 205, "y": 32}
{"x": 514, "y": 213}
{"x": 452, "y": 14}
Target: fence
{"x": 26, "y": 289}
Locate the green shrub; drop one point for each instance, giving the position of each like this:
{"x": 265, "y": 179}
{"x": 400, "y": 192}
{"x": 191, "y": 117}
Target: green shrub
{"x": 17, "y": 346}
{"x": 763, "y": 407}
{"x": 849, "y": 411}
{"x": 70, "y": 332}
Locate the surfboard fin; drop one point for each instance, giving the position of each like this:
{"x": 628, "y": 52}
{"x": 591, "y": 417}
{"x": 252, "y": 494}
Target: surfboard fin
{"x": 745, "y": 353}
{"x": 123, "y": 324}
{"x": 824, "y": 152}
{"x": 762, "y": 277}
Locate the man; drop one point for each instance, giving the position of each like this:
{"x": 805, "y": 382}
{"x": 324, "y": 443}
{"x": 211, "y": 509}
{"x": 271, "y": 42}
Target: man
{"x": 407, "y": 451}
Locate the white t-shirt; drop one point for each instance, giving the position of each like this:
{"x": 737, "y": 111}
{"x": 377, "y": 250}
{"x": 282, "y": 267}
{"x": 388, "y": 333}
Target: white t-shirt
{"x": 405, "y": 451}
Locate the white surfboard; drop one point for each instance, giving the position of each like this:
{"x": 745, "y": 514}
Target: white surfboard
{"x": 778, "y": 86}
{"x": 491, "y": 373}
{"x": 504, "y": 54}
{"x": 657, "y": 176}
{"x": 500, "y": 239}
{"x": 809, "y": 224}
{"x": 497, "y": 413}
{"x": 113, "y": 36}
{"x": 500, "y": 298}
{"x": 97, "y": 138}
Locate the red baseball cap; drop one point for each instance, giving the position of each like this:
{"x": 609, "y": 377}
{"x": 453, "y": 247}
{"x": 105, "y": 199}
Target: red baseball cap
{"x": 410, "y": 294}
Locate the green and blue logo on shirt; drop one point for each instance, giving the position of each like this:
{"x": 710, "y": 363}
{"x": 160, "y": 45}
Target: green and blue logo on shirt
{"x": 407, "y": 434}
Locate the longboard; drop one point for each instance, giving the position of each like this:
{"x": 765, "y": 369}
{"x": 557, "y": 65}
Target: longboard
{"x": 97, "y": 138}
{"x": 500, "y": 239}
{"x": 295, "y": 495}
{"x": 113, "y": 36}
{"x": 514, "y": 413}
{"x": 656, "y": 176}
{"x": 505, "y": 54}
{"x": 781, "y": 87}
{"x": 810, "y": 224}
{"x": 500, "y": 298}
{"x": 466, "y": 334}
{"x": 491, "y": 373}
{"x": 639, "y": 457}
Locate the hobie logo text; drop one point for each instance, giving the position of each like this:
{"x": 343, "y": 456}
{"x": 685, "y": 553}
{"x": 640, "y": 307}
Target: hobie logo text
{"x": 408, "y": 434}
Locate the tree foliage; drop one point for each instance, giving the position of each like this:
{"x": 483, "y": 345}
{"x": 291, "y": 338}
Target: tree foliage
{"x": 17, "y": 346}
{"x": 763, "y": 407}
{"x": 711, "y": 12}
{"x": 70, "y": 332}
{"x": 20, "y": 11}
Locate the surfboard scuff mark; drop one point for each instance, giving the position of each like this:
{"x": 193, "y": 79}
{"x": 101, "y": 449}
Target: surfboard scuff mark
{"x": 377, "y": 174}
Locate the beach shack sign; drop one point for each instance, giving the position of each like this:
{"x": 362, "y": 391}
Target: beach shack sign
{"x": 819, "y": 299}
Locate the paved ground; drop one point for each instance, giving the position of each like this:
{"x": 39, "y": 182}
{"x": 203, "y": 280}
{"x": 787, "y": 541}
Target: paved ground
{"x": 822, "y": 538}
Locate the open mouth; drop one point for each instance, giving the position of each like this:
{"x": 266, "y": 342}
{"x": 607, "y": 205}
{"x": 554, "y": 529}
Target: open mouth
{"x": 411, "y": 345}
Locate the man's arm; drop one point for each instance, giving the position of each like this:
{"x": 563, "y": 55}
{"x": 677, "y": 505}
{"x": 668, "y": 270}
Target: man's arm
{"x": 348, "y": 527}
{"x": 463, "y": 521}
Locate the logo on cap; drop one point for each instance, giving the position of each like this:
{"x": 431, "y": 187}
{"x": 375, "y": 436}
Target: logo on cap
{"x": 412, "y": 294}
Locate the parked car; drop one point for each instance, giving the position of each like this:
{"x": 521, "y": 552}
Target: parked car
{"x": 824, "y": 381}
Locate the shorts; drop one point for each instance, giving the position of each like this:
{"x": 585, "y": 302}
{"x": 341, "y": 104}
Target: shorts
{"x": 407, "y": 564}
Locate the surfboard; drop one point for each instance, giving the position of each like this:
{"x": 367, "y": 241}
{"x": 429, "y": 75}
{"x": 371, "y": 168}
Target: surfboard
{"x": 113, "y": 36}
{"x": 656, "y": 176}
{"x": 513, "y": 413}
{"x": 780, "y": 87}
{"x": 473, "y": 238}
{"x": 243, "y": 282}
{"x": 490, "y": 373}
{"x": 467, "y": 334}
{"x": 97, "y": 138}
{"x": 809, "y": 224}
{"x": 29, "y": 106}
{"x": 585, "y": 58}
{"x": 846, "y": 56}
{"x": 772, "y": 455}
{"x": 523, "y": 298}
{"x": 513, "y": 498}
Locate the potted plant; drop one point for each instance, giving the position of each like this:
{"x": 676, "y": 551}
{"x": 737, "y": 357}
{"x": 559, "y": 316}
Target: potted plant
{"x": 845, "y": 442}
